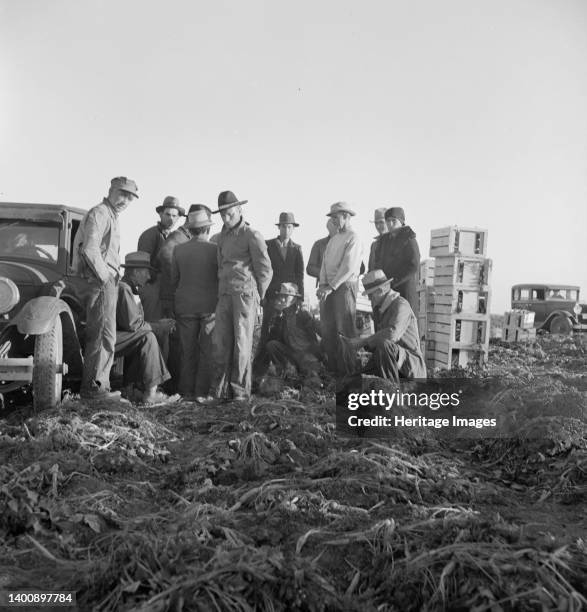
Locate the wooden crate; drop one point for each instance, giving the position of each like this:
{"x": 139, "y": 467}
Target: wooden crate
{"x": 467, "y": 301}
{"x": 518, "y": 334}
{"x": 443, "y": 356}
{"x": 426, "y": 273}
{"x": 518, "y": 318}
{"x": 455, "y": 240}
{"x": 458, "y": 271}
{"x": 459, "y": 330}
{"x": 425, "y": 300}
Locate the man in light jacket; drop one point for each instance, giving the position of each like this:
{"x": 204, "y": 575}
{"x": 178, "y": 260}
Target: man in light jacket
{"x": 337, "y": 290}
{"x": 244, "y": 274}
{"x": 96, "y": 259}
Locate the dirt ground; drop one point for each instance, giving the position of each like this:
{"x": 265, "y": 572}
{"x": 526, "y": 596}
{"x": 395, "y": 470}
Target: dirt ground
{"x": 265, "y": 507}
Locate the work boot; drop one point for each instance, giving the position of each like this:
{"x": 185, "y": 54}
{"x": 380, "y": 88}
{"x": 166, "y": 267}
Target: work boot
{"x": 96, "y": 393}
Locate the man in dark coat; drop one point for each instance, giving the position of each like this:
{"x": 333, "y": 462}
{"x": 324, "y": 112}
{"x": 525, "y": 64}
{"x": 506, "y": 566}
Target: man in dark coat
{"x": 395, "y": 345}
{"x": 96, "y": 259}
{"x": 398, "y": 255}
{"x": 381, "y": 227}
{"x": 287, "y": 263}
{"x": 317, "y": 251}
{"x": 194, "y": 280}
{"x": 144, "y": 366}
{"x": 151, "y": 241}
{"x": 292, "y": 336}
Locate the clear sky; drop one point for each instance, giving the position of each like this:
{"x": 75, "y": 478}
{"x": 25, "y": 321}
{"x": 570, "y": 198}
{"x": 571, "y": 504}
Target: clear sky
{"x": 465, "y": 112}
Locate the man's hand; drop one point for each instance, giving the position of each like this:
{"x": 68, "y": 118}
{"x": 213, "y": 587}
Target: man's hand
{"x": 323, "y": 292}
{"x": 167, "y": 325}
{"x": 354, "y": 342}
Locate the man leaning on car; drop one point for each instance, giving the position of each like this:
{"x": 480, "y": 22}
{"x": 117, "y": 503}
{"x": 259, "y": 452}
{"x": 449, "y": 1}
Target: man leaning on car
{"x": 96, "y": 258}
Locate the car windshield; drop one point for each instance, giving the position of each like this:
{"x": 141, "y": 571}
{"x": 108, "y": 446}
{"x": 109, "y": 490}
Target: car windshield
{"x": 24, "y": 240}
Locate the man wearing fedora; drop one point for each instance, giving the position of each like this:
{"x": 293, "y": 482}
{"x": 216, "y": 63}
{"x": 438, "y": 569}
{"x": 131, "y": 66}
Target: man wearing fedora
{"x": 287, "y": 263}
{"x": 244, "y": 274}
{"x": 96, "y": 260}
{"x": 144, "y": 366}
{"x": 381, "y": 227}
{"x": 395, "y": 345}
{"x": 398, "y": 255}
{"x": 337, "y": 290}
{"x": 194, "y": 281}
{"x": 292, "y": 336}
{"x": 151, "y": 240}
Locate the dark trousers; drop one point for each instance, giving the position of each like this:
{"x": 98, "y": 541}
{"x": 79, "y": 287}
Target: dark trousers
{"x": 144, "y": 365}
{"x": 268, "y": 312}
{"x": 195, "y": 339}
{"x": 233, "y": 345}
{"x": 281, "y": 354}
{"x": 100, "y": 333}
{"x": 337, "y": 315}
{"x": 384, "y": 361}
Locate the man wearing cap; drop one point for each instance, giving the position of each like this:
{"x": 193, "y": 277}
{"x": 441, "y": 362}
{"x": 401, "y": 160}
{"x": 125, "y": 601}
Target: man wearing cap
{"x": 96, "y": 259}
{"x": 136, "y": 341}
{"x": 194, "y": 281}
{"x": 287, "y": 263}
{"x": 292, "y": 336}
{"x": 395, "y": 345}
{"x": 337, "y": 290}
{"x": 151, "y": 241}
{"x": 398, "y": 255}
{"x": 244, "y": 274}
{"x": 317, "y": 251}
{"x": 380, "y": 226}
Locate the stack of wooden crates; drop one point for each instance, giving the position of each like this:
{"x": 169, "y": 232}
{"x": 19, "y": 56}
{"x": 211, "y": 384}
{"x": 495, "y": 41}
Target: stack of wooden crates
{"x": 454, "y": 316}
{"x": 518, "y": 326}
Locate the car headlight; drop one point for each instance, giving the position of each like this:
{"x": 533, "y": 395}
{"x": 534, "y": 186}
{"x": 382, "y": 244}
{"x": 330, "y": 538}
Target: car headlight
{"x": 9, "y": 295}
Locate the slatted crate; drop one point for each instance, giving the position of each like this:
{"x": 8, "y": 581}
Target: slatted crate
{"x": 460, "y": 272}
{"x": 425, "y": 300}
{"x": 447, "y": 357}
{"x": 459, "y": 330}
{"x": 455, "y": 240}
{"x": 466, "y": 301}
{"x": 519, "y": 318}
{"x": 426, "y": 273}
{"x": 518, "y": 334}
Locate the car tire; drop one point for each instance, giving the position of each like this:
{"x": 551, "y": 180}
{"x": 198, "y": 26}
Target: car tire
{"x": 560, "y": 325}
{"x": 47, "y": 368}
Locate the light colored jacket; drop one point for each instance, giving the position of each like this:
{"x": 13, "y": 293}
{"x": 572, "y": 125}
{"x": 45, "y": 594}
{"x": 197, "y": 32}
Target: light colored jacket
{"x": 243, "y": 263}
{"x": 342, "y": 259}
{"x": 96, "y": 246}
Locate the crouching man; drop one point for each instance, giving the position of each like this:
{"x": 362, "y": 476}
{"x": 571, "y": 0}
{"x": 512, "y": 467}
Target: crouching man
{"x": 291, "y": 338}
{"x": 136, "y": 340}
{"x": 395, "y": 345}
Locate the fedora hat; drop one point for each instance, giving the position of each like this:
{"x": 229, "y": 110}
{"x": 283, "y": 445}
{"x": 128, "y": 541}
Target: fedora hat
{"x": 375, "y": 279}
{"x": 287, "y": 217}
{"x": 379, "y": 214}
{"x": 227, "y": 199}
{"x": 171, "y": 202}
{"x": 288, "y": 289}
{"x": 340, "y": 207}
{"x": 137, "y": 259}
{"x": 198, "y": 218}
{"x": 397, "y": 212}
{"x": 125, "y": 184}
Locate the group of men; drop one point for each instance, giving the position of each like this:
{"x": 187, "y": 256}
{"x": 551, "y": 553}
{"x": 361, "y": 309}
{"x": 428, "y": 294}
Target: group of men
{"x": 186, "y": 306}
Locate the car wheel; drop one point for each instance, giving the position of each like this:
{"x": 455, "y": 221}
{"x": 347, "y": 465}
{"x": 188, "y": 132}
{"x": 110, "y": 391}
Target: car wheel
{"x": 560, "y": 325}
{"x": 47, "y": 368}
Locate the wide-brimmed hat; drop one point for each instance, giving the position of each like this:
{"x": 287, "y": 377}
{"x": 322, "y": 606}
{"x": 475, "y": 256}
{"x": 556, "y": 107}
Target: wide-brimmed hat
{"x": 171, "y": 202}
{"x": 198, "y": 218}
{"x": 338, "y": 207}
{"x": 287, "y": 217}
{"x": 288, "y": 289}
{"x": 227, "y": 199}
{"x": 379, "y": 214}
{"x": 375, "y": 279}
{"x": 125, "y": 184}
{"x": 137, "y": 259}
{"x": 397, "y": 212}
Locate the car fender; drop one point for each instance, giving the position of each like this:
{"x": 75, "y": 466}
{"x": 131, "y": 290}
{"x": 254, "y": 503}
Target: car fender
{"x": 37, "y": 315}
{"x": 556, "y": 313}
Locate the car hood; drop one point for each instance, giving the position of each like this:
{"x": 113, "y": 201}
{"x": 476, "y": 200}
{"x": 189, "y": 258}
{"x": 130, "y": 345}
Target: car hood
{"x": 23, "y": 273}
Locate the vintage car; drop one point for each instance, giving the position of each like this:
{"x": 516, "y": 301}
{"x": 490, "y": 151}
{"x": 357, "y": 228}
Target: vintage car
{"x": 556, "y": 307}
{"x": 41, "y": 320}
